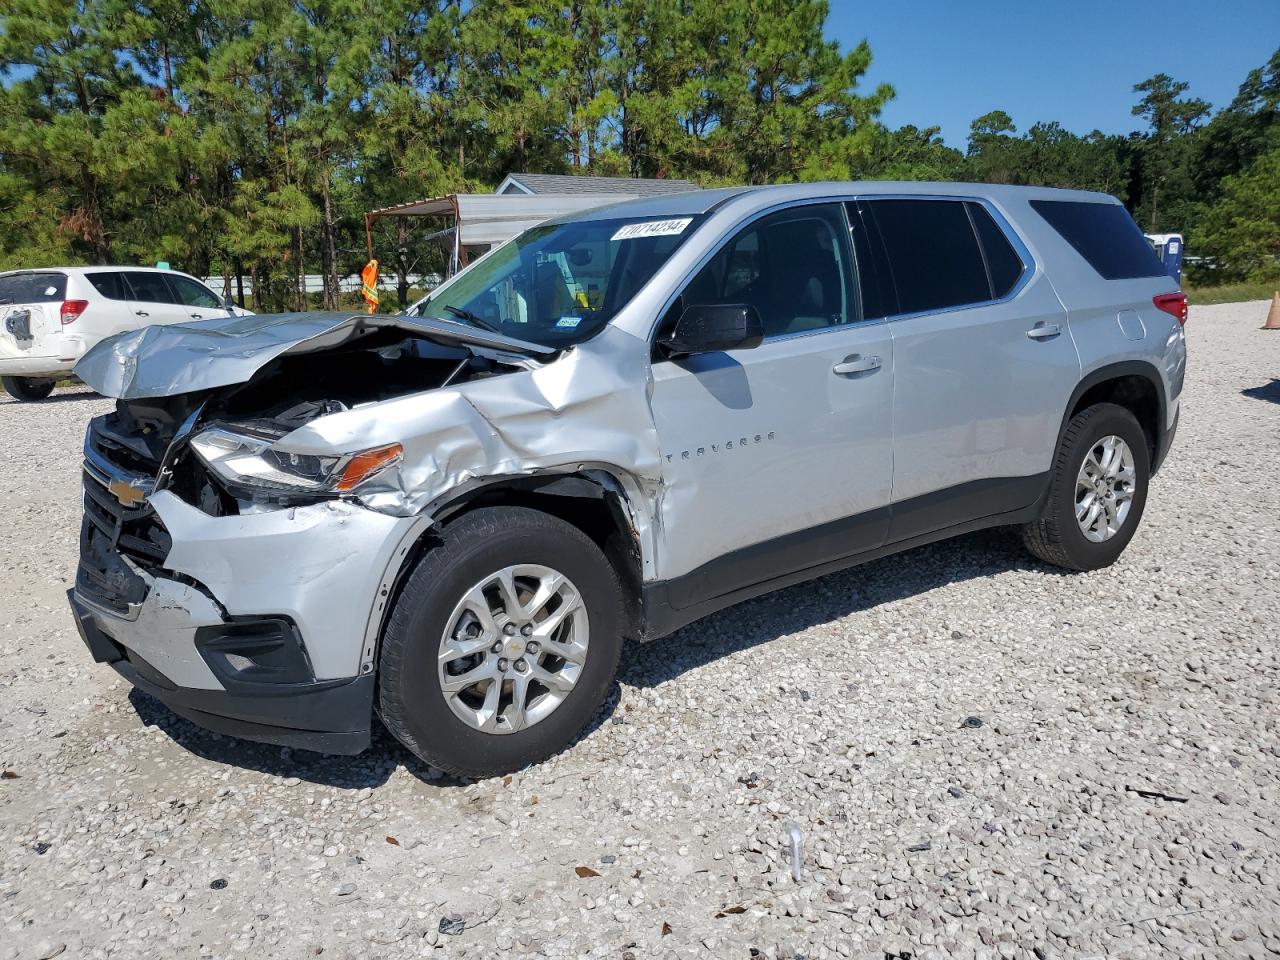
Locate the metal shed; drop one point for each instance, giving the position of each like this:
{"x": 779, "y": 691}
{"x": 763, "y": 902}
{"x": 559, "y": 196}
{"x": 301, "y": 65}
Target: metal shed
{"x": 483, "y": 220}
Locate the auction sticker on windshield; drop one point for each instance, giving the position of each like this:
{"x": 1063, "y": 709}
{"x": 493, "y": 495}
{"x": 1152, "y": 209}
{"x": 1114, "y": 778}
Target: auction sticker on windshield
{"x": 652, "y": 228}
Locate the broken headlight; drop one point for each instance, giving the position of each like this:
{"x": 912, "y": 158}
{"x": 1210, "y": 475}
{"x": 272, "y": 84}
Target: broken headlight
{"x": 248, "y": 462}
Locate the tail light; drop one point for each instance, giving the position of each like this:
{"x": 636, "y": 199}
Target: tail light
{"x": 71, "y": 310}
{"x": 1174, "y": 304}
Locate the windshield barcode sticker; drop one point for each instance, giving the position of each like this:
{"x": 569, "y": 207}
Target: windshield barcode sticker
{"x": 652, "y": 228}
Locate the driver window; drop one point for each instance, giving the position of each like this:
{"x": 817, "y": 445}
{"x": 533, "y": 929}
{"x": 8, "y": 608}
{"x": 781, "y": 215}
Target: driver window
{"x": 794, "y": 267}
{"x": 193, "y": 294}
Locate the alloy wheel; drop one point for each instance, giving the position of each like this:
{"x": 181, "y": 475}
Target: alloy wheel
{"x": 513, "y": 648}
{"x": 1104, "y": 489}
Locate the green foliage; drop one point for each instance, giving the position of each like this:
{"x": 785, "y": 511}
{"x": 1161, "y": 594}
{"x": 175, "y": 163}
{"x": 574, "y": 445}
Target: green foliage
{"x": 1242, "y": 230}
{"x": 1047, "y": 155}
{"x": 1240, "y": 133}
{"x": 1167, "y": 150}
{"x": 909, "y": 153}
{"x": 248, "y": 137}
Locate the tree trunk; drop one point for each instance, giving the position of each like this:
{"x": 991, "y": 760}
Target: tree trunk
{"x": 402, "y": 263}
{"x": 93, "y": 225}
{"x": 168, "y": 71}
{"x": 93, "y": 228}
{"x": 329, "y": 253}
{"x": 300, "y": 284}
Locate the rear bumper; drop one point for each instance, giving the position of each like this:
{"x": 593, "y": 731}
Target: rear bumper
{"x": 35, "y": 367}
{"x": 1165, "y": 441}
{"x": 291, "y": 709}
{"x": 48, "y": 354}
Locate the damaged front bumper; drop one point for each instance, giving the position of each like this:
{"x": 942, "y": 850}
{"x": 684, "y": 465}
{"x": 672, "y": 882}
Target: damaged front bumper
{"x": 328, "y": 716}
{"x": 259, "y": 625}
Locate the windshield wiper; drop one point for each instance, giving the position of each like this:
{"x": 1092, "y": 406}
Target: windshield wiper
{"x": 472, "y": 318}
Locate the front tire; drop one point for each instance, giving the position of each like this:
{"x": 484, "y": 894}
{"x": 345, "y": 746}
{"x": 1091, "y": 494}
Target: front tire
{"x": 1097, "y": 492}
{"x": 28, "y": 389}
{"x": 502, "y": 644}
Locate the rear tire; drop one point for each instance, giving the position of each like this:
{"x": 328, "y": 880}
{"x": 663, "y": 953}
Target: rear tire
{"x": 454, "y": 601}
{"x": 1070, "y": 532}
{"x": 28, "y": 389}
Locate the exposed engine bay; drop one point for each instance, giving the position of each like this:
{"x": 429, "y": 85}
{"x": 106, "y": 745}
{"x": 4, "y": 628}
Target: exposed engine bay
{"x": 160, "y": 437}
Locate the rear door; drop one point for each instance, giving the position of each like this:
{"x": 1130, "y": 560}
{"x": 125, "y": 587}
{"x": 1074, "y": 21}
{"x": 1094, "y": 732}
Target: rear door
{"x": 30, "y": 313}
{"x": 153, "y": 300}
{"x": 984, "y": 363}
{"x": 111, "y": 310}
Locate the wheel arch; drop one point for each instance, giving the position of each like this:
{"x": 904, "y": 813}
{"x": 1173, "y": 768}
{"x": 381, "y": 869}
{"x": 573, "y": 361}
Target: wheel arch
{"x": 599, "y": 501}
{"x": 1135, "y": 385}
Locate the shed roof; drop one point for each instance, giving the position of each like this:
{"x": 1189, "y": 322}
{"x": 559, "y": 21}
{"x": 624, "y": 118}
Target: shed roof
{"x": 487, "y": 218}
{"x": 560, "y": 185}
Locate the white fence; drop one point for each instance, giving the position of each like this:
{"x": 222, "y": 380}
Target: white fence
{"x": 347, "y": 284}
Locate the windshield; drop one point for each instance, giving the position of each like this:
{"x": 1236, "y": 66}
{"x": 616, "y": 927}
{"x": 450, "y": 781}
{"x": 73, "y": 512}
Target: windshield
{"x": 558, "y": 284}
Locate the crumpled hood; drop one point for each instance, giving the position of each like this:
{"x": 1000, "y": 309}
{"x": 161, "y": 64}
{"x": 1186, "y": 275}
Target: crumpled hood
{"x": 162, "y": 361}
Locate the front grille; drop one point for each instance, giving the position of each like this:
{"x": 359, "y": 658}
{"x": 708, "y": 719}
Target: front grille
{"x": 125, "y": 457}
{"x": 112, "y": 532}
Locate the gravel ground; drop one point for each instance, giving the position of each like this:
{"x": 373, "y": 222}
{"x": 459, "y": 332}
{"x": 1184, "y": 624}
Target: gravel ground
{"x": 986, "y": 757}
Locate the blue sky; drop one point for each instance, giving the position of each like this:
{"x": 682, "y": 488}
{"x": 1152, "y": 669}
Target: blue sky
{"x": 1074, "y": 61}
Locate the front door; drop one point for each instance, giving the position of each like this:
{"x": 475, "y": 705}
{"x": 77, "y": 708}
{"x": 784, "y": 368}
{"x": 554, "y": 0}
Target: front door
{"x": 200, "y": 302}
{"x": 777, "y": 458}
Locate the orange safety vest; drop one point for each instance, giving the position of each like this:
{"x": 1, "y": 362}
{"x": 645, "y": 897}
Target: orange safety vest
{"x": 369, "y": 284}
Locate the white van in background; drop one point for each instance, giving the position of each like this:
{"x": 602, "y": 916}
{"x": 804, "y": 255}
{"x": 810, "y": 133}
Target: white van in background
{"x": 50, "y": 317}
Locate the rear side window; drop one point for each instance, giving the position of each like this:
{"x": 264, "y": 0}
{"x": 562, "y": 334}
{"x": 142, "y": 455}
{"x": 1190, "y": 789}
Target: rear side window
{"x": 110, "y": 285}
{"x": 150, "y": 287}
{"x": 1105, "y": 235}
{"x": 1003, "y": 263}
{"x": 33, "y": 288}
{"x": 933, "y": 253}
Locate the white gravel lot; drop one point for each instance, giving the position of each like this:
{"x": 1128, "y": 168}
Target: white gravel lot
{"x": 839, "y": 705}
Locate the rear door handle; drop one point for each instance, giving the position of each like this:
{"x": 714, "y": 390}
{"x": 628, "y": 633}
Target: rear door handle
{"x": 1044, "y": 331}
{"x": 142, "y": 313}
{"x": 197, "y": 316}
{"x": 856, "y": 363}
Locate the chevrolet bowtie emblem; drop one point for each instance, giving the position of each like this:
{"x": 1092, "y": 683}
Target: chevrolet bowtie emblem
{"x": 126, "y": 493}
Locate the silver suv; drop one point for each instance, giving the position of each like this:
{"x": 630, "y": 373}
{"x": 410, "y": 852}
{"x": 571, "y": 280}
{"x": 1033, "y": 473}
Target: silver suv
{"x": 610, "y": 426}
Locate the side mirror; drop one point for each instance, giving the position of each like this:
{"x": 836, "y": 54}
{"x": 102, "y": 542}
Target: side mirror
{"x": 708, "y": 328}
{"x": 229, "y": 304}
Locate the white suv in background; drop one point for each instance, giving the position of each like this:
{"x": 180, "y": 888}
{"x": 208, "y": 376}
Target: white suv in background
{"x": 50, "y": 317}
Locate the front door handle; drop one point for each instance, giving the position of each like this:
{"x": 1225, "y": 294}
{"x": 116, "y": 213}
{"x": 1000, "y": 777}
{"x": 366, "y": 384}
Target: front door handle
{"x": 1044, "y": 331}
{"x": 142, "y": 313}
{"x": 856, "y": 363}
{"x": 197, "y": 316}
